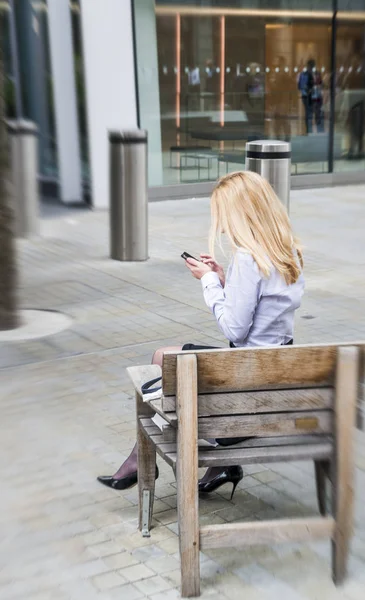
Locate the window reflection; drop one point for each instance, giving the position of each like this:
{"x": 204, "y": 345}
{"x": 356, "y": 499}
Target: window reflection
{"x": 350, "y": 91}
{"x": 231, "y": 75}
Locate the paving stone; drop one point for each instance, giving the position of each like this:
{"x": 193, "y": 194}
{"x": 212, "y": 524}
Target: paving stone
{"x": 106, "y": 548}
{"x": 172, "y": 594}
{"x": 153, "y": 585}
{"x": 163, "y": 564}
{"x": 137, "y": 572}
{"x": 108, "y": 581}
{"x": 120, "y": 560}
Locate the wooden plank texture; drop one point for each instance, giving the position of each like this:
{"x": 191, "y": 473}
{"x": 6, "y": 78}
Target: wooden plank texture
{"x": 258, "y": 402}
{"x": 146, "y": 464}
{"x": 170, "y": 417}
{"x": 187, "y": 474}
{"x": 250, "y": 456}
{"x": 248, "y": 369}
{"x": 232, "y": 535}
{"x": 266, "y": 425}
{"x": 254, "y": 442}
{"x": 346, "y": 393}
{"x": 255, "y": 455}
{"x": 318, "y": 448}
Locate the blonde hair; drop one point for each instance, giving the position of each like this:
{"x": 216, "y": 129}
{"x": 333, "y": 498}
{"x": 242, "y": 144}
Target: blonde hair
{"x": 245, "y": 207}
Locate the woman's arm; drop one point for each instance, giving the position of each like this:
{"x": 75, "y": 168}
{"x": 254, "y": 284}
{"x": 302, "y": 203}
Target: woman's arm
{"x": 235, "y": 305}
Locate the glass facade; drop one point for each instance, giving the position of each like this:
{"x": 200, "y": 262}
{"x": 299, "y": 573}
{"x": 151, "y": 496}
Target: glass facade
{"x": 80, "y": 87}
{"x": 35, "y": 85}
{"x": 350, "y": 85}
{"x": 210, "y": 75}
{"x": 29, "y": 89}
{"x": 231, "y": 71}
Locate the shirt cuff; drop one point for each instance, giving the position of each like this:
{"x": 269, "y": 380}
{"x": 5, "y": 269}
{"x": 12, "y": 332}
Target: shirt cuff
{"x": 210, "y": 279}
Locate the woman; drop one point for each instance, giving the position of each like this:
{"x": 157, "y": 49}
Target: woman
{"x": 254, "y": 304}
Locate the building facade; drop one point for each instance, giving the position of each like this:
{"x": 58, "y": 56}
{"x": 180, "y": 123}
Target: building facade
{"x": 203, "y": 77}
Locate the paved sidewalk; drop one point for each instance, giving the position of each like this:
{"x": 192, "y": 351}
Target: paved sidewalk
{"x": 67, "y": 414}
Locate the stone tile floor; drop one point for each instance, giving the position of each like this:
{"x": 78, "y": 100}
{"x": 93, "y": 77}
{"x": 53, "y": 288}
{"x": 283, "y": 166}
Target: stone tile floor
{"x": 67, "y": 413}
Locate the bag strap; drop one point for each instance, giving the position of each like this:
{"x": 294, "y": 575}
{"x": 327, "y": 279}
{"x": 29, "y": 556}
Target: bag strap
{"x": 146, "y": 387}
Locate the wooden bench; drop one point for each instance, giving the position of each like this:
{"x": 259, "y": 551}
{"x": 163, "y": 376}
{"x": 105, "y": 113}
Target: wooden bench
{"x": 299, "y": 402}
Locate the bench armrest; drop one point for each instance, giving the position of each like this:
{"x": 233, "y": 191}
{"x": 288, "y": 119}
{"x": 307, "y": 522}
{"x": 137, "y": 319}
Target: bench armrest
{"x": 140, "y": 375}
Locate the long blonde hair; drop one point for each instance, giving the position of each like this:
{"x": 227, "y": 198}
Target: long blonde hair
{"x": 245, "y": 207}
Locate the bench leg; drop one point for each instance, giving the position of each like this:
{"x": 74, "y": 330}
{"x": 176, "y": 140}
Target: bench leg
{"x": 321, "y": 478}
{"x": 187, "y": 475}
{"x": 146, "y": 481}
{"x": 345, "y": 410}
{"x": 146, "y": 470}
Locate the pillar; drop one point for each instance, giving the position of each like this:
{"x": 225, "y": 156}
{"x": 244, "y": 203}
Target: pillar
{"x": 110, "y": 82}
{"x": 65, "y": 103}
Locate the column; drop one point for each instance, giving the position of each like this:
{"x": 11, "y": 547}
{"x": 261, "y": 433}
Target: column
{"x": 64, "y": 93}
{"x": 110, "y": 82}
{"x": 148, "y": 85}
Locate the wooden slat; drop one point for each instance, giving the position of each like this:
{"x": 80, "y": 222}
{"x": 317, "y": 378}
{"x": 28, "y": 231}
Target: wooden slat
{"x": 346, "y": 392}
{"x": 187, "y": 474}
{"x": 258, "y": 402}
{"x": 254, "y": 442}
{"x": 271, "y": 450}
{"x": 169, "y": 433}
{"x": 250, "y": 456}
{"x": 264, "y": 442}
{"x": 254, "y": 455}
{"x": 140, "y": 375}
{"x": 261, "y": 425}
{"x": 247, "y": 369}
{"x": 170, "y": 417}
{"x": 266, "y": 425}
{"x": 232, "y": 535}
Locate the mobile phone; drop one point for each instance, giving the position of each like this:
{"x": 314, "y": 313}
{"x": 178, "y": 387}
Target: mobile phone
{"x": 186, "y": 255}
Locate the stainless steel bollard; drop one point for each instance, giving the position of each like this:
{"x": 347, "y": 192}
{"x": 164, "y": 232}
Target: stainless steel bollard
{"x": 272, "y": 160}
{"x": 128, "y": 195}
{"x": 24, "y": 162}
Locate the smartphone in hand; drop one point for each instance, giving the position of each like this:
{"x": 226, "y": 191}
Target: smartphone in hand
{"x": 186, "y": 255}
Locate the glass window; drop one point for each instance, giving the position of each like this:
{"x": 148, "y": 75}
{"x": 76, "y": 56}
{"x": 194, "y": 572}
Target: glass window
{"x": 80, "y": 87}
{"x": 350, "y": 87}
{"x": 234, "y": 71}
{"x": 9, "y": 84}
{"x": 36, "y": 78}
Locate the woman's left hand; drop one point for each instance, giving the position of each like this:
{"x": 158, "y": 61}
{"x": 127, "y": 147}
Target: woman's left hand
{"x": 197, "y": 268}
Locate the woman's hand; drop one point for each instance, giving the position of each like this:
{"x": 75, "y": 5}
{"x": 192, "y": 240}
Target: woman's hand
{"x": 197, "y": 268}
{"x": 215, "y": 267}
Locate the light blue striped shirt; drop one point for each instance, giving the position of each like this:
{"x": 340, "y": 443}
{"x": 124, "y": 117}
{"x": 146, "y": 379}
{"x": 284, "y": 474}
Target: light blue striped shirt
{"x": 252, "y": 310}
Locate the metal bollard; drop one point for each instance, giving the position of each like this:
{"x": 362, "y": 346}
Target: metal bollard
{"x": 24, "y": 162}
{"x": 128, "y": 195}
{"x": 272, "y": 160}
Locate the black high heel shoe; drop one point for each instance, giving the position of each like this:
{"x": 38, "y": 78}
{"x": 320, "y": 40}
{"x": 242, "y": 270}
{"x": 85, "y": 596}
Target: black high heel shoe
{"x": 124, "y": 483}
{"x": 232, "y": 474}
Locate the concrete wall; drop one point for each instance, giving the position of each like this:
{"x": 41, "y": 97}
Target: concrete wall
{"x": 110, "y": 82}
{"x": 67, "y": 125}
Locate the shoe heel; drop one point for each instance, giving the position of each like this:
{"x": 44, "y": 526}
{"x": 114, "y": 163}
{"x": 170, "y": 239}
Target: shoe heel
{"x": 235, "y": 484}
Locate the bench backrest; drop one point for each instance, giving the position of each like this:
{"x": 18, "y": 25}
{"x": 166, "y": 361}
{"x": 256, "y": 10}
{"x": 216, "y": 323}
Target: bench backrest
{"x": 252, "y": 381}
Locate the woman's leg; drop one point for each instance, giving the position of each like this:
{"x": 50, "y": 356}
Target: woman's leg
{"x": 130, "y": 464}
